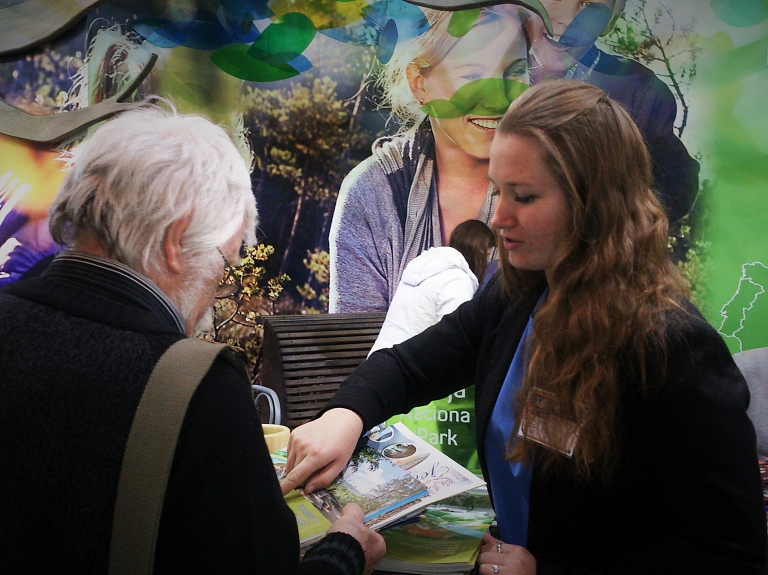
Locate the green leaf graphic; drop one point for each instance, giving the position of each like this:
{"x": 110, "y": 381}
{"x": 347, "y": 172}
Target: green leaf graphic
{"x": 235, "y": 61}
{"x": 462, "y": 22}
{"x": 288, "y": 34}
{"x": 483, "y": 97}
{"x": 444, "y": 110}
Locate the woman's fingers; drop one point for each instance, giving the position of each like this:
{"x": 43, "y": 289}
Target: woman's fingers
{"x": 319, "y": 450}
{"x": 499, "y": 558}
{"x": 351, "y": 522}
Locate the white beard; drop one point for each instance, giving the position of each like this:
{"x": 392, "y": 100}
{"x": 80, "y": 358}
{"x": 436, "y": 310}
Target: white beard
{"x": 189, "y": 295}
{"x": 204, "y": 328}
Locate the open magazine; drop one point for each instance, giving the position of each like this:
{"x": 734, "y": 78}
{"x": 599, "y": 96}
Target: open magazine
{"x": 394, "y": 477}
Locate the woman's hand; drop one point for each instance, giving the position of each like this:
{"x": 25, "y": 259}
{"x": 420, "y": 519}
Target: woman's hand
{"x": 351, "y": 522}
{"x": 497, "y": 558}
{"x": 320, "y": 449}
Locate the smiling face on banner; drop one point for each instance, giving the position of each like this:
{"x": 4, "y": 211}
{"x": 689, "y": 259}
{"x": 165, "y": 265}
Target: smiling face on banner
{"x": 467, "y": 91}
{"x": 563, "y": 14}
{"x": 576, "y": 25}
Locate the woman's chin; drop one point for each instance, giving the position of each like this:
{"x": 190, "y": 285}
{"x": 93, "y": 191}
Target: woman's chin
{"x": 480, "y": 147}
{"x": 469, "y": 138}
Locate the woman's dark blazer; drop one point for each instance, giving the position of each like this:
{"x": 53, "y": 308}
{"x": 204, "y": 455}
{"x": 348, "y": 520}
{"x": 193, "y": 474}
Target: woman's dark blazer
{"x": 686, "y": 495}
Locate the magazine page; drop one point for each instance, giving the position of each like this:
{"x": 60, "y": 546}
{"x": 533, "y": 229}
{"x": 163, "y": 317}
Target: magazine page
{"x": 393, "y": 478}
{"x": 384, "y": 490}
{"x": 373, "y": 482}
{"x": 445, "y": 539}
{"x": 442, "y": 476}
{"x": 312, "y": 523}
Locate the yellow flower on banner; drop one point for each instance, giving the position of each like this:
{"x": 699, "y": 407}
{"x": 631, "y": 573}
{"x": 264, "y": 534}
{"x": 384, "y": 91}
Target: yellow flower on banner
{"x": 324, "y": 14}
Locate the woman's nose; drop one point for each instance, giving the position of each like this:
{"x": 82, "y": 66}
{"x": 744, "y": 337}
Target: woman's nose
{"x": 503, "y": 216}
{"x": 562, "y": 18}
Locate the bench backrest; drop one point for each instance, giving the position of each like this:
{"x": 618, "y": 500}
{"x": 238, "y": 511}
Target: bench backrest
{"x": 306, "y": 357}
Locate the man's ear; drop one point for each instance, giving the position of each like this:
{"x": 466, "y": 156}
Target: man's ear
{"x": 172, "y": 243}
{"x": 415, "y": 82}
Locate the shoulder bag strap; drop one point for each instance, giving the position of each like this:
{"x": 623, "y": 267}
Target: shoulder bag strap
{"x": 149, "y": 453}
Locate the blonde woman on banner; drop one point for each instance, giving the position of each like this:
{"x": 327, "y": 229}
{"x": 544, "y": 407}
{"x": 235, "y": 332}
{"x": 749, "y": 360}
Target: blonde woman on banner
{"x": 449, "y": 88}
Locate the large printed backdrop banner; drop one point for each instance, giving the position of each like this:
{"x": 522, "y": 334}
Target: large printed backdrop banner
{"x": 349, "y": 109}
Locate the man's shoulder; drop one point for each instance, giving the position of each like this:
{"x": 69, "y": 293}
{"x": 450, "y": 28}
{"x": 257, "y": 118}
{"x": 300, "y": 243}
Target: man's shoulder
{"x": 7, "y": 297}
{"x": 235, "y": 362}
{"x": 620, "y": 65}
{"x": 628, "y": 72}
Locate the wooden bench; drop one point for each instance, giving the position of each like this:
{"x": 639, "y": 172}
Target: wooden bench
{"x": 306, "y": 357}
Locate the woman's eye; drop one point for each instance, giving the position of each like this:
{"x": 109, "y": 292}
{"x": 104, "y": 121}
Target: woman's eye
{"x": 524, "y": 199}
{"x": 516, "y": 70}
{"x": 471, "y": 77}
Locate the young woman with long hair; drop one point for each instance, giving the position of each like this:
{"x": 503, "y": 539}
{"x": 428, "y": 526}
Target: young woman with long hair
{"x": 611, "y": 419}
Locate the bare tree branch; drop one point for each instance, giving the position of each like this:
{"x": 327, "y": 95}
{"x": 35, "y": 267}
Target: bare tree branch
{"x": 639, "y": 38}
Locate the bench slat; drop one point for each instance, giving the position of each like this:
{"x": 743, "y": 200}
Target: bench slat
{"x": 320, "y": 347}
{"x": 306, "y": 357}
{"x": 296, "y": 360}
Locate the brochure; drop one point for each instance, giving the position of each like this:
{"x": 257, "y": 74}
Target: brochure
{"x": 384, "y": 491}
{"x": 446, "y": 539}
{"x": 393, "y": 479}
{"x": 442, "y": 476}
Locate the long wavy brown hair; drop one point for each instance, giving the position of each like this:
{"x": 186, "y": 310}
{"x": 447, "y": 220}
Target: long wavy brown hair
{"x": 613, "y": 285}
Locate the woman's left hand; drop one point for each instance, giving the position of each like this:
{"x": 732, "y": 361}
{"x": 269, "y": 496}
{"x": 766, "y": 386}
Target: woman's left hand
{"x": 497, "y": 558}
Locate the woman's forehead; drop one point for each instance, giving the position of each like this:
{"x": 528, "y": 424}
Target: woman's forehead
{"x": 500, "y": 27}
{"x": 533, "y": 6}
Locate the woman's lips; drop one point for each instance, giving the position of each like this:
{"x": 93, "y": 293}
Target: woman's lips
{"x": 485, "y": 123}
{"x": 511, "y": 244}
{"x": 555, "y": 44}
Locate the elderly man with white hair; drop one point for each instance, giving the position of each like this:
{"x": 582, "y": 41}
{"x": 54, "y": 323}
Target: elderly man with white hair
{"x": 154, "y": 207}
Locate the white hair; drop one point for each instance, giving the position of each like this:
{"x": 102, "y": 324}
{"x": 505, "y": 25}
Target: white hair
{"x": 145, "y": 169}
{"x": 422, "y": 51}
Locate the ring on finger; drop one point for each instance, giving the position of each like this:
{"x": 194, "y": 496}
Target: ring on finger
{"x": 498, "y": 547}
{"x": 495, "y": 569}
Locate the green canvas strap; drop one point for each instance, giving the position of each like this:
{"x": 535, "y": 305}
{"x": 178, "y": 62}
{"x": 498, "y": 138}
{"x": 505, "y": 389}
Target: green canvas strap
{"x": 149, "y": 453}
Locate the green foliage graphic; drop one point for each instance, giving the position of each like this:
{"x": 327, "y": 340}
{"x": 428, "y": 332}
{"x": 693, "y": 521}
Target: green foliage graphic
{"x": 284, "y": 39}
{"x": 462, "y": 22}
{"x": 483, "y": 97}
{"x": 267, "y": 59}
